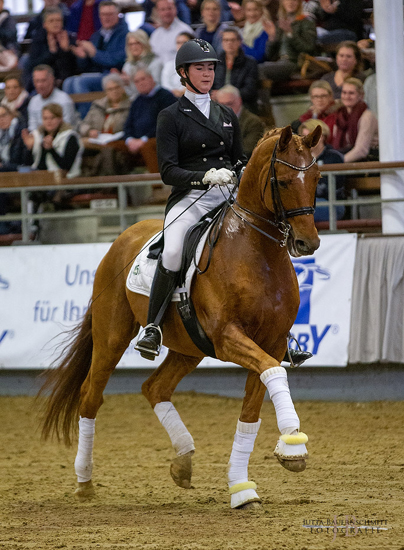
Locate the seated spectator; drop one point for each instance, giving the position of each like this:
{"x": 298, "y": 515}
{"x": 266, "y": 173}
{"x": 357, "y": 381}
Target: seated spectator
{"x": 152, "y": 19}
{"x": 13, "y": 152}
{"x": 254, "y": 34}
{"x": 36, "y": 22}
{"x": 46, "y": 92}
{"x": 170, "y": 79}
{"x": 349, "y": 63}
{"x": 251, "y": 126}
{"x": 323, "y": 107}
{"x": 294, "y": 34}
{"x": 106, "y": 116}
{"x": 195, "y": 7}
{"x": 212, "y": 28}
{"x": 54, "y": 145}
{"x": 325, "y": 154}
{"x": 140, "y": 126}
{"x": 8, "y": 30}
{"x": 162, "y": 40}
{"x": 51, "y": 47}
{"x": 339, "y": 21}
{"x": 104, "y": 51}
{"x": 84, "y": 19}
{"x": 139, "y": 52}
{"x": 237, "y": 68}
{"x": 355, "y": 133}
{"x": 15, "y": 97}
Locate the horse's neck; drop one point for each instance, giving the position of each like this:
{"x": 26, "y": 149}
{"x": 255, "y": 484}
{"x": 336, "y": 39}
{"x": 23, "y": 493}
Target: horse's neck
{"x": 249, "y": 195}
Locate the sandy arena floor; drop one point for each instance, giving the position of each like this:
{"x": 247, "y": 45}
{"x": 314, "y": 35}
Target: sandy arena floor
{"x": 356, "y": 468}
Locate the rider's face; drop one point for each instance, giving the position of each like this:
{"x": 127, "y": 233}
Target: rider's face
{"x": 201, "y": 75}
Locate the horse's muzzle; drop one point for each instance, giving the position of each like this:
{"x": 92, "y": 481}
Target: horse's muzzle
{"x": 302, "y": 245}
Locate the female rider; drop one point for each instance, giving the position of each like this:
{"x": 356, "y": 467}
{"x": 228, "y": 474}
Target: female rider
{"x": 198, "y": 142}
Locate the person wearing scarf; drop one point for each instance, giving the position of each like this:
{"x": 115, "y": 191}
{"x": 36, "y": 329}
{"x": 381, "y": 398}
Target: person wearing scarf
{"x": 254, "y": 35}
{"x": 355, "y": 130}
{"x": 15, "y": 97}
{"x": 293, "y": 34}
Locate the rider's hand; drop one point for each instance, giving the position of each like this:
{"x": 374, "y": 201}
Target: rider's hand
{"x": 223, "y": 176}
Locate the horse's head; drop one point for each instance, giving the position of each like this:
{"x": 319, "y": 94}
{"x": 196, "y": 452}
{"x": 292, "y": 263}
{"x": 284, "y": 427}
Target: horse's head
{"x": 285, "y": 176}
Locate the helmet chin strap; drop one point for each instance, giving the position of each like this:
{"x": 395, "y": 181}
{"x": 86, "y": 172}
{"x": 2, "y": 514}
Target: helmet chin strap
{"x": 188, "y": 81}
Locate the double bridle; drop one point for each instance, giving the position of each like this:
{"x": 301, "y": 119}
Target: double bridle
{"x": 280, "y": 214}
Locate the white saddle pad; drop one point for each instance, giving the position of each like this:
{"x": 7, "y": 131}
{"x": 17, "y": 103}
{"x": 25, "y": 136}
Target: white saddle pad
{"x": 141, "y": 273}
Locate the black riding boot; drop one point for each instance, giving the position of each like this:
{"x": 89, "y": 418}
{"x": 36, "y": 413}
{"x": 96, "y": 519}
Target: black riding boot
{"x": 296, "y": 357}
{"x": 164, "y": 284}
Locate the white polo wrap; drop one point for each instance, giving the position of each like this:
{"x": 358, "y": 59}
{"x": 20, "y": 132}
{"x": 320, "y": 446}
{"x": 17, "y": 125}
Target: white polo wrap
{"x": 180, "y": 437}
{"x": 276, "y": 381}
{"x": 243, "y": 446}
{"x": 83, "y": 464}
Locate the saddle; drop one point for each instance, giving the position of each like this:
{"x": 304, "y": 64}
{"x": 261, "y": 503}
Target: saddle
{"x": 212, "y": 222}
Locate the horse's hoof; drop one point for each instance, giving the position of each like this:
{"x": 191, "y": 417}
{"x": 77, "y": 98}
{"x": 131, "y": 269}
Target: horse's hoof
{"x": 296, "y": 465}
{"x": 291, "y": 452}
{"x": 181, "y": 470}
{"x": 85, "y": 491}
{"x": 253, "y": 505}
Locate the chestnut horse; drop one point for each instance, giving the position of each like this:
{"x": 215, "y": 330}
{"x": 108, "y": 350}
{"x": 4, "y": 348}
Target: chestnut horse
{"x": 246, "y": 302}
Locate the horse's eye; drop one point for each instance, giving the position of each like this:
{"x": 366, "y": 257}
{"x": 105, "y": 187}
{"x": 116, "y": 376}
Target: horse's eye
{"x": 283, "y": 183}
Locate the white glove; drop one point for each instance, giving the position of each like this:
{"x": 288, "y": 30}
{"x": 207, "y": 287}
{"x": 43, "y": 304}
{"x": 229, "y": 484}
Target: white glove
{"x": 223, "y": 176}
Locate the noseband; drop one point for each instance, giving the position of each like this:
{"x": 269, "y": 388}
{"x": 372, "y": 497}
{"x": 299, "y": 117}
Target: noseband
{"x": 281, "y": 215}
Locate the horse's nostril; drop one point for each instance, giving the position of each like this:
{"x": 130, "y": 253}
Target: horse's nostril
{"x": 302, "y": 247}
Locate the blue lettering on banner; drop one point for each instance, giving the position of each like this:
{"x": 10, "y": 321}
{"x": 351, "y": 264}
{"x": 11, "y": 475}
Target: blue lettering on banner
{"x": 78, "y": 276}
{"x": 4, "y": 284}
{"x": 305, "y": 338}
{"x": 305, "y": 269}
{"x": 44, "y": 312}
{"x": 73, "y": 312}
{"x": 3, "y": 335}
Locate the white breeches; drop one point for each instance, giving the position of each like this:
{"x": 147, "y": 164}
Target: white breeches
{"x": 174, "y": 234}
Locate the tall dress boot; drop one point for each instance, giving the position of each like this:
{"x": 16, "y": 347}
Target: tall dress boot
{"x": 162, "y": 290}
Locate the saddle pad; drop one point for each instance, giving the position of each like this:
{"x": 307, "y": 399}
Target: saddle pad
{"x": 141, "y": 273}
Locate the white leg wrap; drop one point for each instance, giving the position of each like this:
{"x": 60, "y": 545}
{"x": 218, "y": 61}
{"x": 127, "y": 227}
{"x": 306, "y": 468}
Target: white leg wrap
{"x": 83, "y": 464}
{"x": 276, "y": 381}
{"x": 243, "y": 446}
{"x": 180, "y": 437}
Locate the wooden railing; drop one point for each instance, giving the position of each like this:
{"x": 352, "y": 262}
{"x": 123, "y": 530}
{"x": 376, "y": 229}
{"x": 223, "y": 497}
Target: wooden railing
{"x": 25, "y": 183}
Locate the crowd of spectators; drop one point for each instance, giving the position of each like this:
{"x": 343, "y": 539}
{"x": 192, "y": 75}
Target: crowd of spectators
{"x": 87, "y": 47}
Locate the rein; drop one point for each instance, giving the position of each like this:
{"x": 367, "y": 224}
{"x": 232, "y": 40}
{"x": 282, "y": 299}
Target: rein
{"x": 281, "y": 215}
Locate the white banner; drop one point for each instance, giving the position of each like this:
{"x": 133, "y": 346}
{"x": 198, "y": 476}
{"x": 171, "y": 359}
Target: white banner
{"x": 325, "y": 283}
{"x": 44, "y": 290}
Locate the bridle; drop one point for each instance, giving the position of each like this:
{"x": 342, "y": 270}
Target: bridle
{"x": 281, "y": 215}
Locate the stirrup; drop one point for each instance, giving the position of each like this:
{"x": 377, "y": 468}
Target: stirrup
{"x": 296, "y": 356}
{"x": 145, "y": 352}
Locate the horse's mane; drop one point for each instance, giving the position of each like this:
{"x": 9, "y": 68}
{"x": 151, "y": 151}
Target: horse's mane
{"x": 275, "y": 132}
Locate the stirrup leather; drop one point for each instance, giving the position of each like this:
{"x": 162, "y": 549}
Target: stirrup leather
{"x": 149, "y": 353}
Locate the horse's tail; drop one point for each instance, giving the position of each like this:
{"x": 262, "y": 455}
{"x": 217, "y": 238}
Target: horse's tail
{"x": 61, "y": 409}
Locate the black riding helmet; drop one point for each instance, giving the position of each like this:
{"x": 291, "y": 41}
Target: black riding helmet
{"x": 194, "y": 51}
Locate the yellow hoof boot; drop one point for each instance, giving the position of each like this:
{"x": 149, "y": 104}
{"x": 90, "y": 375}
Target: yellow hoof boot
{"x": 243, "y": 493}
{"x": 291, "y": 451}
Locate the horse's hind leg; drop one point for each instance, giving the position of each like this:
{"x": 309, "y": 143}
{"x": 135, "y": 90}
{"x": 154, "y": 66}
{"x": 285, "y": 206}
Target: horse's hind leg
{"x": 110, "y": 339}
{"x": 158, "y": 390}
{"x": 242, "y": 491}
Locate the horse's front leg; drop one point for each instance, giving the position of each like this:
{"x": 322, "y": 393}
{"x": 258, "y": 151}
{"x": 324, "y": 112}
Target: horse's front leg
{"x": 242, "y": 491}
{"x": 158, "y": 390}
{"x": 235, "y": 346}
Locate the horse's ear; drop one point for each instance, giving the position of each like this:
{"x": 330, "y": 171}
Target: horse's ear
{"x": 286, "y": 136}
{"x": 313, "y": 138}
